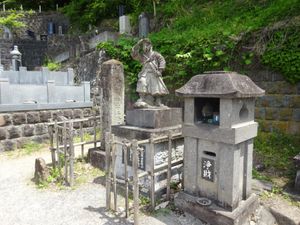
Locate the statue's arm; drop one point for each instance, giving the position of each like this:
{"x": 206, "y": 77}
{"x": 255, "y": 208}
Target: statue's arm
{"x": 135, "y": 51}
{"x": 161, "y": 62}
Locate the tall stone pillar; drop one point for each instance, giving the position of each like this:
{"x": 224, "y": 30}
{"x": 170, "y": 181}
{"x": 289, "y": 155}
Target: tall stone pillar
{"x": 112, "y": 89}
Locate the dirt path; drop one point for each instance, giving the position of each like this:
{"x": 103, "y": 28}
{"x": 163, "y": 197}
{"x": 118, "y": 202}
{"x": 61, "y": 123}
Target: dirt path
{"x": 22, "y": 204}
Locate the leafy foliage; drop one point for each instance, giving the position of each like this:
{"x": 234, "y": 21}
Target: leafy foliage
{"x": 283, "y": 53}
{"x": 207, "y": 36}
{"x": 12, "y": 20}
{"x": 85, "y": 12}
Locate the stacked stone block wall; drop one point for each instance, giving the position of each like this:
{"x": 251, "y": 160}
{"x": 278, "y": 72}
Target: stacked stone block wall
{"x": 279, "y": 109}
{"x": 18, "y": 128}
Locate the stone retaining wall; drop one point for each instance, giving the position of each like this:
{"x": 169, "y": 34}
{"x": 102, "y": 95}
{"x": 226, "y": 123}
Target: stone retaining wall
{"x": 16, "y": 129}
{"x": 279, "y": 109}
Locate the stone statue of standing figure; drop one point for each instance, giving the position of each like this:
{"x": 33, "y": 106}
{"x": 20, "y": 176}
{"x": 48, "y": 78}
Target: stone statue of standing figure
{"x": 150, "y": 85}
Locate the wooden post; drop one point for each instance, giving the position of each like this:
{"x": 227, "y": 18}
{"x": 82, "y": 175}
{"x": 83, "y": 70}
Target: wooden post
{"x": 125, "y": 149}
{"x": 51, "y": 137}
{"x": 152, "y": 178}
{"x": 72, "y": 154}
{"x": 108, "y": 168}
{"x": 95, "y": 129}
{"x": 57, "y": 146}
{"x": 169, "y": 165}
{"x": 81, "y": 139}
{"x": 65, "y": 151}
{"x": 114, "y": 174}
{"x": 135, "y": 180}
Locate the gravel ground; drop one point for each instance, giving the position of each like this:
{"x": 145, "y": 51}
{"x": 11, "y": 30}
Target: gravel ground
{"x": 22, "y": 204}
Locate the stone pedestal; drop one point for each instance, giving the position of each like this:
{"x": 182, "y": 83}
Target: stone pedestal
{"x": 217, "y": 215}
{"x": 141, "y": 123}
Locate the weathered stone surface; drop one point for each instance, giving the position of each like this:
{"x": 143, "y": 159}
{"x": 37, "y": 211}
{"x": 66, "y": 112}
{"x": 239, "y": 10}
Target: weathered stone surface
{"x": 220, "y": 84}
{"x": 40, "y": 138}
{"x": 14, "y": 132}
{"x": 111, "y": 84}
{"x": 3, "y": 133}
{"x": 154, "y": 118}
{"x": 33, "y": 117}
{"x": 19, "y": 118}
{"x": 260, "y": 113}
{"x": 41, "y": 172}
{"x": 271, "y": 113}
{"x": 45, "y": 116}
{"x": 9, "y": 145}
{"x": 28, "y": 130}
{"x": 20, "y": 142}
{"x": 68, "y": 113}
{"x": 40, "y": 129}
{"x": 77, "y": 113}
{"x": 296, "y": 101}
{"x": 56, "y": 114}
{"x": 286, "y": 214}
{"x": 5, "y": 120}
{"x": 87, "y": 112}
{"x": 296, "y": 114}
{"x": 285, "y": 114}
{"x": 294, "y": 127}
{"x": 215, "y": 215}
{"x": 263, "y": 217}
{"x": 97, "y": 158}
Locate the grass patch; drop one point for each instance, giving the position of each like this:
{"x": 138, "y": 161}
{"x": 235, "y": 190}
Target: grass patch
{"x": 83, "y": 173}
{"x": 276, "y": 150}
{"x": 87, "y": 137}
{"x": 28, "y": 148}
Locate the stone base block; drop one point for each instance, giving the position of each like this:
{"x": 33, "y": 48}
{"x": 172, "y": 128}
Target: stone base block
{"x": 154, "y": 117}
{"x": 133, "y": 132}
{"x": 96, "y": 157}
{"x": 214, "y": 214}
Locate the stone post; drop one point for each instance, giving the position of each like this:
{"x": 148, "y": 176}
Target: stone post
{"x": 70, "y": 76}
{"x": 22, "y": 75}
{"x": 4, "y": 90}
{"x": 111, "y": 81}
{"x": 50, "y": 91}
{"x": 86, "y": 91}
{"x": 45, "y": 74}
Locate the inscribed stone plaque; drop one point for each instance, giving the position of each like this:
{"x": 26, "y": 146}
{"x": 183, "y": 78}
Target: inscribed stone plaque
{"x": 208, "y": 169}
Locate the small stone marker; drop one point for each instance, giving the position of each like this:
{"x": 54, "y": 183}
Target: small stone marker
{"x": 41, "y": 172}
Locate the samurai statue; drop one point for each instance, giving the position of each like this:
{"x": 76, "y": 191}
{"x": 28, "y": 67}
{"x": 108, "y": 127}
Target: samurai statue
{"x": 150, "y": 85}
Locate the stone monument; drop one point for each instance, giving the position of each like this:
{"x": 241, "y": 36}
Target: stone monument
{"x": 218, "y": 132}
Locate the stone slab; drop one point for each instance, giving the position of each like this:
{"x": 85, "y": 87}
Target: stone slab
{"x": 214, "y": 214}
{"x": 154, "y": 117}
{"x": 235, "y": 135}
{"x": 133, "y": 132}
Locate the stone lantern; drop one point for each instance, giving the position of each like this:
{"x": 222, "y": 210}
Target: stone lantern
{"x": 16, "y": 58}
{"x": 218, "y": 131}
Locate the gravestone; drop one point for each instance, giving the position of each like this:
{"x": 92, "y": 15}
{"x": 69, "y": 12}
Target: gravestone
{"x": 124, "y": 25}
{"x": 144, "y": 25}
{"x": 218, "y": 132}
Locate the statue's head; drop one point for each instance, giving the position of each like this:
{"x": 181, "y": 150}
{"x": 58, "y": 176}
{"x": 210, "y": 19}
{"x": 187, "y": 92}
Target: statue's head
{"x": 147, "y": 46}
